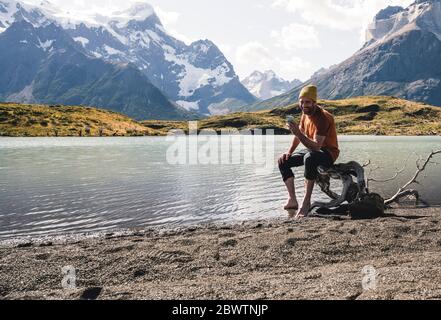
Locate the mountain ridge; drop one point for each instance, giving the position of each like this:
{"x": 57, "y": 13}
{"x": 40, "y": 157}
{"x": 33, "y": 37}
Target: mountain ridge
{"x": 400, "y": 59}
{"x": 265, "y": 85}
{"x": 198, "y": 76}
{"x": 46, "y": 65}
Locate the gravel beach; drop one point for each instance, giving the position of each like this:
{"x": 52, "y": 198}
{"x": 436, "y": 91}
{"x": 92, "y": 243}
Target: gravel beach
{"x": 394, "y": 257}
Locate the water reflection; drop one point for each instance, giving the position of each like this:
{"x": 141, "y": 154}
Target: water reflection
{"x": 51, "y": 186}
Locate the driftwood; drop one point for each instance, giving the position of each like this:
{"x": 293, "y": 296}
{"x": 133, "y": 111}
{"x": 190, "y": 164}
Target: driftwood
{"x": 344, "y": 172}
{"x": 404, "y": 191}
{"x": 355, "y": 198}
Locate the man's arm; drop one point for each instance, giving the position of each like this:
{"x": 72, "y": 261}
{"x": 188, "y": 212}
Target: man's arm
{"x": 286, "y": 156}
{"x": 294, "y": 145}
{"x": 315, "y": 144}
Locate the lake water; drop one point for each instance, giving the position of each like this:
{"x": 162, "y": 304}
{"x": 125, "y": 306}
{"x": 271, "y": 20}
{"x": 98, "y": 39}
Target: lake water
{"x": 55, "y": 186}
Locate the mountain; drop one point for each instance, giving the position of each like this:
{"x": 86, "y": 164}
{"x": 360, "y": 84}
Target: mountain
{"x": 197, "y": 76}
{"x": 45, "y": 65}
{"x": 12, "y": 11}
{"x": 400, "y": 58}
{"x": 267, "y": 84}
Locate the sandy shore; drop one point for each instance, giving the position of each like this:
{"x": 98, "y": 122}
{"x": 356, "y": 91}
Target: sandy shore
{"x": 317, "y": 258}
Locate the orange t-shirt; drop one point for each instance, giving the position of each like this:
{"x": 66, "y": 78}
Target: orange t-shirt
{"x": 321, "y": 123}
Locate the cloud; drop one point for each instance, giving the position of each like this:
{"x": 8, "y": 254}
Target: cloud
{"x": 254, "y": 55}
{"x": 226, "y": 49}
{"x": 295, "y": 36}
{"x": 252, "y": 51}
{"x": 337, "y": 14}
{"x": 168, "y": 18}
{"x": 177, "y": 35}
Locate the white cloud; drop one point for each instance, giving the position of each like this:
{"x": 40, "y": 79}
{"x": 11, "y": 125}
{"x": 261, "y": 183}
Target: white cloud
{"x": 255, "y": 56}
{"x": 226, "y": 49}
{"x": 170, "y": 20}
{"x": 337, "y": 14}
{"x": 296, "y": 36}
{"x": 176, "y": 34}
{"x": 252, "y": 51}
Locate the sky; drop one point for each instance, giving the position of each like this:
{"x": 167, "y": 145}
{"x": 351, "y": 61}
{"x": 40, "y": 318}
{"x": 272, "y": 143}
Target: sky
{"x": 294, "y": 38}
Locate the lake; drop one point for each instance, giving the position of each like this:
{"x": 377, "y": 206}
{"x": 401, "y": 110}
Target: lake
{"x": 56, "y": 186}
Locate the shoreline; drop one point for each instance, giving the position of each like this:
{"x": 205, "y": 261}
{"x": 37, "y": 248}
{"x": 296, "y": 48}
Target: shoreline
{"x": 167, "y": 230}
{"x": 346, "y": 134}
{"x": 316, "y": 258}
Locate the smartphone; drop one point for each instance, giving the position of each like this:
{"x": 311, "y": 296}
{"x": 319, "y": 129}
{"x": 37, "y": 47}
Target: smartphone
{"x": 290, "y": 119}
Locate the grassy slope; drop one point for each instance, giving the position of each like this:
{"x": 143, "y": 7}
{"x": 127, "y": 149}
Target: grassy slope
{"x": 40, "y": 120}
{"x": 362, "y": 115}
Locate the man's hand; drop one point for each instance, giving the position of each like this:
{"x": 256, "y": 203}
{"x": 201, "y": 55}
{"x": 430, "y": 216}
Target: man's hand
{"x": 285, "y": 157}
{"x": 294, "y": 128}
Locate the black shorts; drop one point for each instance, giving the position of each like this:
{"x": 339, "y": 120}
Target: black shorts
{"x": 310, "y": 159}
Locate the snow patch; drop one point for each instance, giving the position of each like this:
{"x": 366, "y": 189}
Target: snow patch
{"x": 145, "y": 38}
{"x": 221, "y": 108}
{"x": 140, "y": 38}
{"x": 24, "y": 96}
{"x": 97, "y": 54}
{"x": 46, "y": 45}
{"x": 112, "y": 51}
{"x": 276, "y": 93}
{"x": 154, "y": 36}
{"x": 10, "y": 12}
{"x": 187, "y": 105}
{"x": 138, "y": 12}
{"x": 192, "y": 78}
{"x": 7, "y": 13}
{"x": 82, "y": 40}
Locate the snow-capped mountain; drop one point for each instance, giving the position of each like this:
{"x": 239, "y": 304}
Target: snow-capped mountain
{"x": 11, "y": 11}
{"x": 394, "y": 20}
{"x": 197, "y": 76}
{"x": 267, "y": 84}
{"x": 401, "y": 57}
{"x": 45, "y": 65}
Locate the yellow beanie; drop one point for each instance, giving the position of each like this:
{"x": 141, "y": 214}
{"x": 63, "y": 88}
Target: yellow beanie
{"x": 309, "y": 92}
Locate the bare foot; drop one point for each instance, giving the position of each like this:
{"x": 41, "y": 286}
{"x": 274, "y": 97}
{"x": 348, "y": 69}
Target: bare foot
{"x": 292, "y": 205}
{"x": 303, "y": 212}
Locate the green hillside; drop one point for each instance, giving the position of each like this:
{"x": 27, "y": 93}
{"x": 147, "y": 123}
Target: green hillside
{"x": 41, "y": 120}
{"x": 356, "y": 116}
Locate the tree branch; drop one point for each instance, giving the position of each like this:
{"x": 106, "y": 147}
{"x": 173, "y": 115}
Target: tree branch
{"x": 368, "y": 180}
{"x": 403, "y": 191}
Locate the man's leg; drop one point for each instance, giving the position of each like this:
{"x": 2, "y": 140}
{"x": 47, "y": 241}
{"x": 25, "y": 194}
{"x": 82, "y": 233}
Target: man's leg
{"x": 306, "y": 204}
{"x": 292, "y": 203}
{"x": 312, "y": 161}
{"x": 288, "y": 177}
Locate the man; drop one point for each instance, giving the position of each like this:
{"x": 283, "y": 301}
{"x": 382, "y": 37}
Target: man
{"x": 318, "y": 134}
